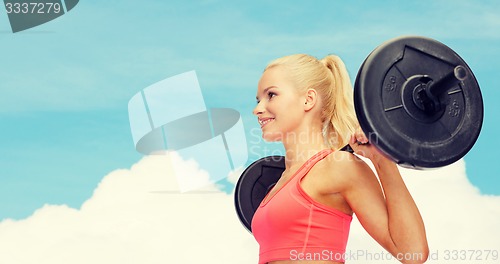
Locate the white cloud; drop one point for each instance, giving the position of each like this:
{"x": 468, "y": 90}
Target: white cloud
{"x": 136, "y": 215}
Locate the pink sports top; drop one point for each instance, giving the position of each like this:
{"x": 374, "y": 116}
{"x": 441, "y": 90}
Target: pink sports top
{"x": 290, "y": 225}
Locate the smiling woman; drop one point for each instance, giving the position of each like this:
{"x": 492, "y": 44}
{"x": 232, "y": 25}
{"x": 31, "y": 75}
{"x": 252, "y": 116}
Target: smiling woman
{"x": 306, "y": 104}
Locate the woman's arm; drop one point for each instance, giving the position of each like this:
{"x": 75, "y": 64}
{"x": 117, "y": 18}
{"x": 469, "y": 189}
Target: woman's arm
{"x": 386, "y": 210}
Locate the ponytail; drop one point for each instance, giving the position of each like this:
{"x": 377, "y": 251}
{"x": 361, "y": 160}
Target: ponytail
{"x": 339, "y": 116}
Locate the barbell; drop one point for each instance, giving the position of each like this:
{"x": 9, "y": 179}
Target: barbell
{"x": 416, "y": 100}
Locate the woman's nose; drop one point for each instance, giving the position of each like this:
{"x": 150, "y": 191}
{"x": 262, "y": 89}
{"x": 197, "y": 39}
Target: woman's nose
{"x": 258, "y": 109}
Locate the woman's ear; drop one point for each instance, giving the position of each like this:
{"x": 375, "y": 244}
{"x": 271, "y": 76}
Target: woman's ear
{"x": 311, "y": 98}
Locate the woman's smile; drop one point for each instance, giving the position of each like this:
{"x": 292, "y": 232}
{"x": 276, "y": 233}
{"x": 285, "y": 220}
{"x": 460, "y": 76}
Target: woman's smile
{"x": 265, "y": 121}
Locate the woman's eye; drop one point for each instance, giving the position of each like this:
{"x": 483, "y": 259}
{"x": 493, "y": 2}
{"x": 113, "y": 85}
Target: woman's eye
{"x": 269, "y": 95}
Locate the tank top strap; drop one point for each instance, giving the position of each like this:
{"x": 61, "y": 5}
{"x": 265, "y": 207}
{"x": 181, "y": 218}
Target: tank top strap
{"x": 303, "y": 170}
{"x": 311, "y": 162}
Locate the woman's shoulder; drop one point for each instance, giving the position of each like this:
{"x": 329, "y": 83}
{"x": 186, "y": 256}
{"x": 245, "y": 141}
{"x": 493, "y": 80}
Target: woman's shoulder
{"x": 344, "y": 168}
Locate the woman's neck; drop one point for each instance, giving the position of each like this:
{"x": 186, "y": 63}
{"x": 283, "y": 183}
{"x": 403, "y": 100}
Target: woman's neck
{"x": 302, "y": 145}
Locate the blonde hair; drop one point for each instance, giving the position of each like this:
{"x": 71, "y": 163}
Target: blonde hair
{"x": 331, "y": 81}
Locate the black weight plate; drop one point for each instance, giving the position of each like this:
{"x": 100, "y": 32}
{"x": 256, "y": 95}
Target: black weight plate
{"x": 253, "y": 185}
{"x": 384, "y": 101}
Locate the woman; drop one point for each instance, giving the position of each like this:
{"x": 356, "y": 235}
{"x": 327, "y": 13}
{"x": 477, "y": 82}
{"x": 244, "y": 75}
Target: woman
{"x": 307, "y": 105}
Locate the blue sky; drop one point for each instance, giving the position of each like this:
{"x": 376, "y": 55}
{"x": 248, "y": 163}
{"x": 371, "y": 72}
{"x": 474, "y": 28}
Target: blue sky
{"x": 66, "y": 84}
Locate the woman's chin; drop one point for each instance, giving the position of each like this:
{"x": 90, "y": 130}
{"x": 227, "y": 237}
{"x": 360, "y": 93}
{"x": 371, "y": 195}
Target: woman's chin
{"x": 271, "y": 137}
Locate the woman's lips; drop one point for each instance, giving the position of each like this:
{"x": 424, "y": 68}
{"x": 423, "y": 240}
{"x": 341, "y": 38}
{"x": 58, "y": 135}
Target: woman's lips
{"x": 265, "y": 121}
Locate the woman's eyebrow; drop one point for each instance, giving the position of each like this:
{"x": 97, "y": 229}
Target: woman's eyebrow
{"x": 265, "y": 91}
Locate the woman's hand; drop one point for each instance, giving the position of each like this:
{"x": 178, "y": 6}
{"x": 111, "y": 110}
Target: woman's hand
{"x": 361, "y": 146}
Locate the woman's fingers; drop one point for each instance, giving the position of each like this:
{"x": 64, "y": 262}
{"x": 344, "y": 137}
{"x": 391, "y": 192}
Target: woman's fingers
{"x": 352, "y": 140}
{"x": 361, "y": 145}
{"x": 361, "y": 137}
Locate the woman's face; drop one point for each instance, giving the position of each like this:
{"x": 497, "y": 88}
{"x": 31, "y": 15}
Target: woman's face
{"x": 279, "y": 105}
